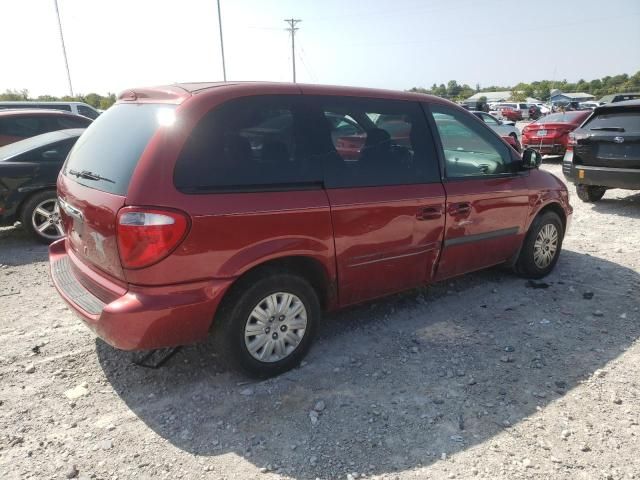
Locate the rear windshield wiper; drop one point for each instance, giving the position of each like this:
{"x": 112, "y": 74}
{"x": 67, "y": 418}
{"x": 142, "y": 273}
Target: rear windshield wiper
{"x": 608, "y": 129}
{"x": 89, "y": 175}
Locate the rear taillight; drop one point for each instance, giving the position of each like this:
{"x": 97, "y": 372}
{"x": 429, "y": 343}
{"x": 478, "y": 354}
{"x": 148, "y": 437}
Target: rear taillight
{"x": 572, "y": 141}
{"x": 146, "y": 236}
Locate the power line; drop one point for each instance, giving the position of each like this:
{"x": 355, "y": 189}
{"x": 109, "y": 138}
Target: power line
{"x": 292, "y": 29}
{"x": 224, "y": 70}
{"x": 64, "y": 50}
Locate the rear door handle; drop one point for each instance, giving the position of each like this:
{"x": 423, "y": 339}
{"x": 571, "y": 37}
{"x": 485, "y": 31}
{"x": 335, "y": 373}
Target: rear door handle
{"x": 460, "y": 208}
{"x": 429, "y": 213}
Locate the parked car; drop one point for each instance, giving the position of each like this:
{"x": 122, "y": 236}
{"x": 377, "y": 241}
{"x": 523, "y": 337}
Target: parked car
{"x": 619, "y": 97}
{"x": 550, "y": 135}
{"x": 77, "y": 108}
{"x": 523, "y": 108}
{"x": 28, "y": 172}
{"x": 512, "y": 142}
{"x": 534, "y": 112}
{"x": 588, "y": 105}
{"x": 502, "y": 128}
{"x": 509, "y": 113}
{"x": 16, "y": 125}
{"x": 181, "y": 227}
{"x": 605, "y": 151}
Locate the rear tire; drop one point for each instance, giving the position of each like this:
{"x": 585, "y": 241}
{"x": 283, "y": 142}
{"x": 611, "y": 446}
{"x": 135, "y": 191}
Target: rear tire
{"x": 590, "y": 193}
{"x": 40, "y": 217}
{"x": 541, "y": 247}
{"x": 282, "y": 337}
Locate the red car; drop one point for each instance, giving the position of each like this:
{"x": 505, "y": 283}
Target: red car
{"x": 184, "y": 214}
{"x": 550, "y": 135}
{"x": 510, "y": 114}
{"x": 16, "y": 125}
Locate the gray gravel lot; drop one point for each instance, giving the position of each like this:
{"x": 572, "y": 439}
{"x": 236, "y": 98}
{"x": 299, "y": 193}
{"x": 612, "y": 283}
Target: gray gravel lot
{"x": 481, "y": 377}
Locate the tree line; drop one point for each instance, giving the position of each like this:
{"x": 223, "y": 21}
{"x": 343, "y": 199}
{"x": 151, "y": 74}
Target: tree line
{"x": 452, "y": 90}
{"x": 94, "y": 99}
{"x": 539, "y": 89}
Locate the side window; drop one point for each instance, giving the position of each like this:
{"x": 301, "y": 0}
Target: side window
{"x": 251, "y": 143}
{"x": 23, "y": 127}
{"x": 489, "y": 120}
{"x": 367, "y": 142}
{"x": 87, "y": 112}
{"x": 470, "y": 150}
{"x": 56, "y": 152}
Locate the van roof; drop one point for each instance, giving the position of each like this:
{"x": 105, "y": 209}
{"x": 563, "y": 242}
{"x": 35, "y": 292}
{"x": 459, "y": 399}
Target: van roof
{"x": 179, "y": 92}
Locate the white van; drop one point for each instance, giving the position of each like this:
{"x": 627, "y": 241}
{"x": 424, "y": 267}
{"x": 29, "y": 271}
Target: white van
{"x": 77, "y": 108}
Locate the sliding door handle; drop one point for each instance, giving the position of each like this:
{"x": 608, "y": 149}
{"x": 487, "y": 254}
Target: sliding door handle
{"x": 429, "y": 213}
{"x": 463, "y": 208}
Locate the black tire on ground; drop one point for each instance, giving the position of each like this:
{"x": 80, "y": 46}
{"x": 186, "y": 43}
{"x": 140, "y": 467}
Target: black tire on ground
{"x": 526, "y": 265}
{"x": 232, "y": 317}
{"x": 27, "y": 212}
{"x": 590, "y": 193}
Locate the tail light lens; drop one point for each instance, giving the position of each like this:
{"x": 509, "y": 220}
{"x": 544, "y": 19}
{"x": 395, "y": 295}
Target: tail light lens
{"x": 146, "y": 236}
{"x": 572, "y": 141}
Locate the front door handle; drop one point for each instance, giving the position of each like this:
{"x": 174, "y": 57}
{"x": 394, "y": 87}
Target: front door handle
{"x": 460, "y": 209}
{"x": 429, "y": 213}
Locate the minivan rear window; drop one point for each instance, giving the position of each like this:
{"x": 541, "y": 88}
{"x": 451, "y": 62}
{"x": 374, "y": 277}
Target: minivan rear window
{"x": 108, "y": 151}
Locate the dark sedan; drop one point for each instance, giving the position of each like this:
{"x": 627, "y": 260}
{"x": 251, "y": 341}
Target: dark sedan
{"x": 28, "y": 172}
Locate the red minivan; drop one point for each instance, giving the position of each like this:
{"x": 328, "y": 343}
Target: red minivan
{"x": 228, "y": 207}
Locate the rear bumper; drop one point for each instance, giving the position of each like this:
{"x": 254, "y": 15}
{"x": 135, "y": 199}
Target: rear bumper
{"x": 627, "y": 178}
{"x": 545, "y": 148}
{"x": 141, "y": 318}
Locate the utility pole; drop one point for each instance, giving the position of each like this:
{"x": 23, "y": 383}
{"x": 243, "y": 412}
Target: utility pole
{"x": 292, "y": 29}
{"x": 224, "y": 70}
{"x": 64, "y": 50}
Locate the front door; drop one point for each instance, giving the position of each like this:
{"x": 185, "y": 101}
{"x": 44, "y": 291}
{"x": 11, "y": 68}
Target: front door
{"x": 487, "y": 197}
{"x": 385, "y": 194}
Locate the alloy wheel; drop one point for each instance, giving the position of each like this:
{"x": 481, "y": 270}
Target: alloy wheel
{"x": 46, "y": 219}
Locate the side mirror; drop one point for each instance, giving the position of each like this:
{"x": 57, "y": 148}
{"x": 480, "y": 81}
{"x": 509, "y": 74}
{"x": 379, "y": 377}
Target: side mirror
{"x": 531, "y": 159}
{"x": 51, "y": 155}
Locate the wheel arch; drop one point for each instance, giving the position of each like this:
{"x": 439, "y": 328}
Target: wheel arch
{"x": 23, "y": 202}
{"x": 554, "y": 207}
{"x": 309, "y": 268}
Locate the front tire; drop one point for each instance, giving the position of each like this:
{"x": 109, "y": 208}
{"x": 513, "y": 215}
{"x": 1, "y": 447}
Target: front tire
{"x": 541, "y": 248}
{"x": 590, "y": 193}
{"x": 40, "y": 216}
{"x": 267, "y": 324}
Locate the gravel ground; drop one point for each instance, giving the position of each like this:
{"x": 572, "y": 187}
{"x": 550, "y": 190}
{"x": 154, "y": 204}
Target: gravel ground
{"x": 481, "y": 377}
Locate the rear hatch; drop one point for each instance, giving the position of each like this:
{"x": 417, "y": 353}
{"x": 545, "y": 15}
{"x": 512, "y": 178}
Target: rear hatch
{"x": 611, "y": 138}
{"x": 547, "y": 131}
{"x": 94, "y": 181}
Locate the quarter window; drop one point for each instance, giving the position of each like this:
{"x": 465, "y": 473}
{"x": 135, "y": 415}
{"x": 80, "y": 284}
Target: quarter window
{"x": 87, "y": 112}
{"x": 247, "y": 144}
{"x": 470, "y": 150}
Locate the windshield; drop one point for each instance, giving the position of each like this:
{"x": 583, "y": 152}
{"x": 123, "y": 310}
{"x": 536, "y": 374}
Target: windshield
{"x": 110, "y": 148}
